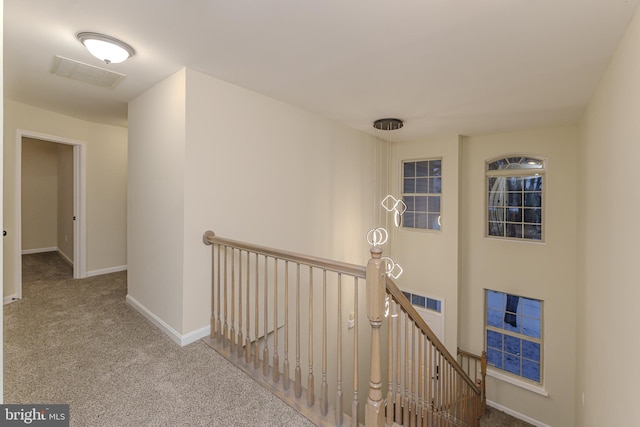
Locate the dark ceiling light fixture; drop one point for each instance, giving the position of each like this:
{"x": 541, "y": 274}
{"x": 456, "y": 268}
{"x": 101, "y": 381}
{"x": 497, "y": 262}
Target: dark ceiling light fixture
{"x": 106, "y": 48}
{"x": 388, "y": 124}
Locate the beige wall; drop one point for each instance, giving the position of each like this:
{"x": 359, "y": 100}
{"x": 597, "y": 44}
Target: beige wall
{"x": 430, "y": 258}
{"x": 39, "y": 195}
{"x": 65, "y": 200}
{"x": 247, "y": 167}
{"x": 105, "y": 183}
{"x": 545, "y": 271}
{"x": 609, "y": 245}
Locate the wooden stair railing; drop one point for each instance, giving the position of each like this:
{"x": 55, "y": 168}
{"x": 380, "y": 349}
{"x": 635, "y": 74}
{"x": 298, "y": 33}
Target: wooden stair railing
{"x": 270, "y": 317}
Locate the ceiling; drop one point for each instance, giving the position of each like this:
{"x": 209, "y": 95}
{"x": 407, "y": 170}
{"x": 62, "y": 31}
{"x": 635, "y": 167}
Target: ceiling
{"x": 443, "y": 66}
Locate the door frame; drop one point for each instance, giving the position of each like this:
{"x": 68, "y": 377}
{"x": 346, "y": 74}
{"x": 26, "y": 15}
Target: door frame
{"x": 79, "y": 202}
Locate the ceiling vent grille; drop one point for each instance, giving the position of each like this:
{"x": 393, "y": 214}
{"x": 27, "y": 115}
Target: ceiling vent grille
{"x": 75, "y": 70}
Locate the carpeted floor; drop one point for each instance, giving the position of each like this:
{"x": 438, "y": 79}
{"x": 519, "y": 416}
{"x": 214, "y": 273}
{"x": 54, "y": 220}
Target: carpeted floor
{"x": 78, "y": 342}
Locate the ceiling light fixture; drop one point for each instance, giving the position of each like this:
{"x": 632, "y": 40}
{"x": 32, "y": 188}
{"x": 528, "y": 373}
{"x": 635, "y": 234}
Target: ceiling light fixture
{"x": 388, "y": 124}
{"x": 106, "y": 48}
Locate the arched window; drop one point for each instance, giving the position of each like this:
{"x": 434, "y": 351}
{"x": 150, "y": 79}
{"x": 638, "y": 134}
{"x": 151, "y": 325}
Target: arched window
{"x": 515, "y": 197}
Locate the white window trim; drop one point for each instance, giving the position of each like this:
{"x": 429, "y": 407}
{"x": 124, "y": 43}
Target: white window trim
{"x": 517, "y": 382}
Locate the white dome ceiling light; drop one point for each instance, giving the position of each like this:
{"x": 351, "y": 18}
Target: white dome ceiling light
{"x": 106, "y": 48}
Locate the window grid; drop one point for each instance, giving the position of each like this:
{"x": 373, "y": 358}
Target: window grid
{"x": 514, "y": 335}
{"x": 421, "y": 192}
{"x": 514, "y": 198}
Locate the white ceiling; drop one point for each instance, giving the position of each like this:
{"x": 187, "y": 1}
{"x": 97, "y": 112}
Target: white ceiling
{"x": 443, "y": 66}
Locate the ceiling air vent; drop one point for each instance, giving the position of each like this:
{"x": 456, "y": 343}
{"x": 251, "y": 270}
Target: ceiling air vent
{"x": 75, "y": 70}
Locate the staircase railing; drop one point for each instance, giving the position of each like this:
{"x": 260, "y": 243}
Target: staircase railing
{"x": 294, "y": 323}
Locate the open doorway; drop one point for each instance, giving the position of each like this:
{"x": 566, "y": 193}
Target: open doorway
{"x": 61, "y": 217}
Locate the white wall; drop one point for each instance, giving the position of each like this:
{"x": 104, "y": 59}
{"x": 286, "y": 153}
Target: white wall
{"x": 249, "y": 168}
{"x": 608, "y": 348}
{"x": 106, "y": 183}
{"x": 545, "y": 271}
{"x": 39, "y": 195}
{"x": 430, "y": 258}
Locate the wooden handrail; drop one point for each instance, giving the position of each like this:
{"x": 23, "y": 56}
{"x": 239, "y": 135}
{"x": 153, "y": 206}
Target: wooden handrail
{"x": 397, "y": 295}
{"x": 323, "y": 263}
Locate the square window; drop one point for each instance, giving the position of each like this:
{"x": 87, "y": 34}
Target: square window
{"x": 421, "y": 192}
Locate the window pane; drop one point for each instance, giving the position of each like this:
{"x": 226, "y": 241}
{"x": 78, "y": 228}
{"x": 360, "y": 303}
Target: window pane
{"x": 494, "y": 358}
{"x": 496, "y": 214}
{"x": 531, "y": 327}
{"x": 418, "y": 300}
{"x": 514, "y": 215}
{"x": 496, "y": 229}
{"x": 409, "y": 185}
{"x": 409, "y": 201}
{"x": 514, "y": 183}
{"x": 421, "y": 204}
{"x": 434, "y": 222}
{"x": 409, "y": 169}
{"x": 408, "y": 220}
{"x": 531, "y": 350}
{"x": 494, "y": 339}
{"x": 435, "y": 185}
{"x": 433, "y": 204}
{"x": 495, "y": 300}
{"x": 422, "y": 168}
{"x": 435, "y": 168}
{"x": 513, "y": 230}
{"x": 434, "y": 304}
{"x": 511, "y": 363}
{"x": 421, "y": 185}
{"x": 512, "y": 345}
{"x": 533, "y": 215}
{"x": 531, "y": 308}
{"x": 420, "y": 220}
{"x": 531, "y": 370}
{"x": 533, "y": 232}
{"x": 495, "y": 318}
{"x": 496, "y": 199}
{"x": 533, "y": 199}
{"x": 514, "y": 199}
{"x": 533, "y": 183}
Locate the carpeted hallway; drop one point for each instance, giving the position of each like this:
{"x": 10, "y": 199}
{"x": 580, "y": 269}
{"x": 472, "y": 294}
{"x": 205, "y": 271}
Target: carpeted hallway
{"x": 78, "y": 342}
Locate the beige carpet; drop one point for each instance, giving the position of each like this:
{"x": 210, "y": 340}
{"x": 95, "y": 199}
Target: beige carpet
{"x": 78, "y": 342}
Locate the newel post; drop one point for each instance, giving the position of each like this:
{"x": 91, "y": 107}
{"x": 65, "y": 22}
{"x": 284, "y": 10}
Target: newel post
{"x": 374, "y": 410}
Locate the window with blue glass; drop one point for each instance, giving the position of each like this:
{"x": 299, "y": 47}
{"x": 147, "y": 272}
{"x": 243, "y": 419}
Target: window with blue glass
{"x": 421, "y": 192}
{"x": 514, "y": 334}
{"x": 514, "y": 199}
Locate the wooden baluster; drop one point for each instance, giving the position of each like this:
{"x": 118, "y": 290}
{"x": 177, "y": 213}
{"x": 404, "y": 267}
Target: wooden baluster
{"x": 310, "y": 386}
{"x": 390, "y": 402}
{"x": 428, "y": 381}
{"x": 354, "y": 404}
{"x": 483, "y": 390}
{"x": 225, "y": 330}
{"x": 232, "y": 336}
{"x": 324, "y": 390}
{"x": 240, "y": 337}
{"x": 214, "y": 332}
{"x": 265, "y": 351}
{"x": 405, "y": 396}
{"x": 339, "y": 407}
{"x": 298, "y": 371}
{"x": 398, "y": 402}
{"x": 256, "y": 348}
{"x": 414, "y": 395}
{"x": 218, "y": 312}
{"x": 276, "y": 357}
{"x": 374, "y": 411}
{"x": 285, "y": 365}
{"x": 247, "y": 347}
{"x": 421, "y": 380}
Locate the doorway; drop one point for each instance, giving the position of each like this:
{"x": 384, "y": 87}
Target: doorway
{"x": 72, "y": 243}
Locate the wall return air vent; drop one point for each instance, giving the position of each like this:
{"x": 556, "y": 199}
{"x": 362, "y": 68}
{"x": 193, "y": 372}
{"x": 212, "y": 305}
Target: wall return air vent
{"x": 75, "y": 70}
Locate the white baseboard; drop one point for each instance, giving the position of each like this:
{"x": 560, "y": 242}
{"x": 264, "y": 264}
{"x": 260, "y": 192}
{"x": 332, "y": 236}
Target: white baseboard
{"x": 517, "y": 414}
{"x": 38, "y": 250}
{"x": 10, "y": 299}
{"x": 178, "y": 338}
{"x": 66, "y": 258}
{"x": 106, "y": 270}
